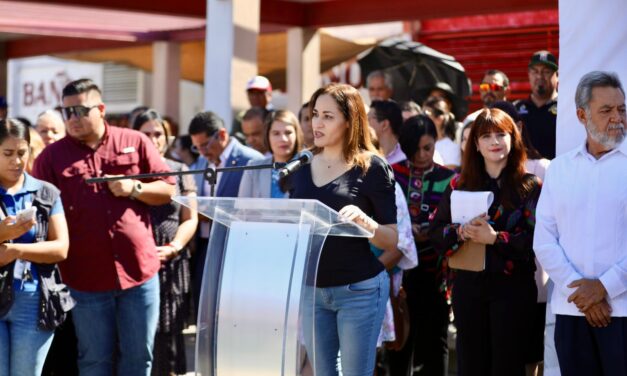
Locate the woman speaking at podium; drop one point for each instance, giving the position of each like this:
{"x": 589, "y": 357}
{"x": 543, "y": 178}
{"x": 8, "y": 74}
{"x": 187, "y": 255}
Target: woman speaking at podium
{"x": 351, "y": 287}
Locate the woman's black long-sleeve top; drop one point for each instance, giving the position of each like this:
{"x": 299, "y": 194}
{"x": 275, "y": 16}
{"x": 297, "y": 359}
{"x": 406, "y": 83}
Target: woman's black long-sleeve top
{"x": 513, "y": 250}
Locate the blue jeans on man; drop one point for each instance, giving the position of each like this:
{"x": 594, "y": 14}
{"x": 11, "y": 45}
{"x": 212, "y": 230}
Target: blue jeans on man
{"x": 23, "y": 346}
{"x": 121, "y": 322}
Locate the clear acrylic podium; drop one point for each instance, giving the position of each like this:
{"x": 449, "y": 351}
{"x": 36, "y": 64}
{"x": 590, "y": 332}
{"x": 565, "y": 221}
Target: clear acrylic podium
{"x": 262, "y": 255}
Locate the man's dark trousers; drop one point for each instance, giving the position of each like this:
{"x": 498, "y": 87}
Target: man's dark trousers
{"x": 583, "y": 350}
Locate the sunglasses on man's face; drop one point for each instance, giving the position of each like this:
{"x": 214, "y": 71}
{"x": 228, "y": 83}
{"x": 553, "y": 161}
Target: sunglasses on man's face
{"x": 78, "y": 111}
{"x": 490, "y": 87}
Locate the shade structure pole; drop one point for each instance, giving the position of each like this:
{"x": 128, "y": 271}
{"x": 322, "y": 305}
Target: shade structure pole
{"x": 303, "y": 65}
{"x": 3, "y": 70}
{"x": 166, "y": 57}
{"x": 230, "y": 54}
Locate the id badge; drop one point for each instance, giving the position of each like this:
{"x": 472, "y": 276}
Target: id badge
{"x": 19, "y": 268}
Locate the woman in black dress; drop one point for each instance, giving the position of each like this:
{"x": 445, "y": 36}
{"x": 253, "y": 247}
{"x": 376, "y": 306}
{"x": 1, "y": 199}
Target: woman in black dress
{"x": 173, "y": 226}
{"x": 352, "y": 286}
{"x": 494, "y": 307}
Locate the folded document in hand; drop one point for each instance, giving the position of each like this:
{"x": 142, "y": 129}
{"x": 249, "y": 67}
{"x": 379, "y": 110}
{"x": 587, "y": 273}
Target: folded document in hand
{"x": 464, "y": 207}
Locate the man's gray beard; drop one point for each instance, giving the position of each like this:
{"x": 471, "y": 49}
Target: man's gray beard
{"x": 604, "y": 138}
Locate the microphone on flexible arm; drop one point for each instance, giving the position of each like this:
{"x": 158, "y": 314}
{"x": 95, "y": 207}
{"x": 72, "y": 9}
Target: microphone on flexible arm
{"x": 304, "y": 158}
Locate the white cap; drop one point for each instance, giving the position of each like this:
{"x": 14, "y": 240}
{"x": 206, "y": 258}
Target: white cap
{"x": 259, "y": 83}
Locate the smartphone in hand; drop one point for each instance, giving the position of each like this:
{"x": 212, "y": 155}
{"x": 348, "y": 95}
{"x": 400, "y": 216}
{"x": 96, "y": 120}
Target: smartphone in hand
{"x": 26, "y": 215}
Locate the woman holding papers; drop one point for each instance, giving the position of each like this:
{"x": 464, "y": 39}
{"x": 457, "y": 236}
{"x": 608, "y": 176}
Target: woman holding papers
{"x": 542, "y": 324}
{"x": 351, "y": 286}
{"x": 284, "y": 139}
{"x": 493, "y": 307}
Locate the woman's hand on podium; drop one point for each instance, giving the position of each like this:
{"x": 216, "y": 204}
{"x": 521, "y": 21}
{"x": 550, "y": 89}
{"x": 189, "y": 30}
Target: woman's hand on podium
{"x": 353, "y": 213}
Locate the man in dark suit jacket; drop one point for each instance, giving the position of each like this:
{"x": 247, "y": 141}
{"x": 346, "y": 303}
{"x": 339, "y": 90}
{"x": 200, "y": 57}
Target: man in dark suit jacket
{"x": 213, "y": 143}
{"x": 217, "y": 149}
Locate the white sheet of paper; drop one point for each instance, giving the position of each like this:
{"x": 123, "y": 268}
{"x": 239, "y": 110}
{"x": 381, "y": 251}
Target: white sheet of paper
{"x": 468, "y": 205}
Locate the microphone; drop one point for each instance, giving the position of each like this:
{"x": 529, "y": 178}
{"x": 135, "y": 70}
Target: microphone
{"x": 304, "y": 158}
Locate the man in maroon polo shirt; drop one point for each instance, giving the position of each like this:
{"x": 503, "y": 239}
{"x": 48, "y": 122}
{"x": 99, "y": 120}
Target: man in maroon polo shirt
{"x": 112, "y": 262}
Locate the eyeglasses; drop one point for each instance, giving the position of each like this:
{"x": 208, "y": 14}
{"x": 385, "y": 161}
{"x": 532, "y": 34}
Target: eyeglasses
{"x": 490, "y": 87}
{"x": 78, "y": 111}
{"x": 205, "y": 145}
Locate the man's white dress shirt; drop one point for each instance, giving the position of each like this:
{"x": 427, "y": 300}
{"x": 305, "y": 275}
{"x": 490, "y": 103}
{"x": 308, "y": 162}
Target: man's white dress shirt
{"x": 396, "y": 155}
{"x": 581, "y": 226}
{"x": 449, "y": 151}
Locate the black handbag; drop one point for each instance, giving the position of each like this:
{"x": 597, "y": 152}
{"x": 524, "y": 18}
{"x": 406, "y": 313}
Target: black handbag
{"x": 55, "y": 298}
{"x": 6, "y": 288}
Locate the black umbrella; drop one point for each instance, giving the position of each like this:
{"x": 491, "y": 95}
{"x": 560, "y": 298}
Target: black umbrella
{"x": 416, "y": 69}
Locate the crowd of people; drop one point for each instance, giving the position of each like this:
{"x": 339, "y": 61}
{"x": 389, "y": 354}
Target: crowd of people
{"x": 102, "y": 278}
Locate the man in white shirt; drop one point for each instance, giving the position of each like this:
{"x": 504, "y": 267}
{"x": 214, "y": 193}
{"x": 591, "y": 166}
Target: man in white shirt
{"x": 581, "y": 238}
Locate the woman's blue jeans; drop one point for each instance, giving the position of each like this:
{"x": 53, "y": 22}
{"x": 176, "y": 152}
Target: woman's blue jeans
{"x": 345, "y": 320}
{"x": 23, "y": 346}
